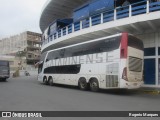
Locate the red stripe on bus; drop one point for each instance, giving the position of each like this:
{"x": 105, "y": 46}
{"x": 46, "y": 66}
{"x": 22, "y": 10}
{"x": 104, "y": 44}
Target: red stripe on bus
{"x": 124, "y": 45}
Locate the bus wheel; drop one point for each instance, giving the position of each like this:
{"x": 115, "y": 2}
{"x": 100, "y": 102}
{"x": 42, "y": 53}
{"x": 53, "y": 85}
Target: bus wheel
{"x": 94, "y": 85}
{"x": 45, "y": 81}
{"x": 82, "y": 84}
{"x": 50, "y": 81}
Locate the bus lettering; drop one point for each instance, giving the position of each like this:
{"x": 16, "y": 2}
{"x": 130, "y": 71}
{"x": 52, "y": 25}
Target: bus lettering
{"x": 100, "y": 57}
{"x": 89, "y": 58}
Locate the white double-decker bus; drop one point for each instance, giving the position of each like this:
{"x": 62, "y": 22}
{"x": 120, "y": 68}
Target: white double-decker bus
{"x": 107, "y": 63}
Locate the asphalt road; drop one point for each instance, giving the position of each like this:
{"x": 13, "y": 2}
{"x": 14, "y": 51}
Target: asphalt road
{"x": 27, "y": 94}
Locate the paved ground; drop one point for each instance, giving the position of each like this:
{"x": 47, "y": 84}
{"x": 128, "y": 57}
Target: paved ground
{"x": 26, "y": 94}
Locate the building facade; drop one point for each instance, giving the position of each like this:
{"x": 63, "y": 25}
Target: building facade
{"x": 25, "y": 47}
{"x": 140, "y": 18}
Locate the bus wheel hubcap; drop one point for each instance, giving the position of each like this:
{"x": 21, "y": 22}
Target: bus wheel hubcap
{"x": 82, "y": 85}
{"x": 94, "y": 85}
{"x": 50, "y": 81}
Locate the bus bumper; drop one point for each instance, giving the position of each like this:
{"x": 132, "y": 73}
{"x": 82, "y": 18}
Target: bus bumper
{"x": 131, "y": 85}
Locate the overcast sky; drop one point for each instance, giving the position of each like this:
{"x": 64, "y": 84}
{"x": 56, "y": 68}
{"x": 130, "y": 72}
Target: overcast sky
{"x": 17, "y": 16}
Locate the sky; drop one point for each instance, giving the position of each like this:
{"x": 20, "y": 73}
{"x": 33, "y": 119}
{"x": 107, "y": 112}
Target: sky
{"x": 17, "y": 16}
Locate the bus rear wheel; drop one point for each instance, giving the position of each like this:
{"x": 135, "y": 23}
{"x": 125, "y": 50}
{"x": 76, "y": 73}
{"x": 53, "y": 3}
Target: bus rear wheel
{"x": 82, "y": 84}
{"x": 50, "y": 81}
{"x": 94, "y": 85}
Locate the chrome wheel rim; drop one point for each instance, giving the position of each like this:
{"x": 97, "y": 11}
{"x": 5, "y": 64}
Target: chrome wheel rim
{"x": 82, "y": 85}
{"x": 94, "y": 85}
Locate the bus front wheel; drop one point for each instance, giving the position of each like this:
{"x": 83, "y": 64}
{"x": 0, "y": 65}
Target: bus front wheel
{"x": 94, "y": 85}
{"x": 45, "y": 81}
{"x": 50, "y": 81}
{"x": 82, "y": 84}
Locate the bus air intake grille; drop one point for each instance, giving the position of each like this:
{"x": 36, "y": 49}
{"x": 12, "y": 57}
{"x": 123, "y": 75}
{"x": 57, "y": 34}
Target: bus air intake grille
{"x": 112, "y": 81}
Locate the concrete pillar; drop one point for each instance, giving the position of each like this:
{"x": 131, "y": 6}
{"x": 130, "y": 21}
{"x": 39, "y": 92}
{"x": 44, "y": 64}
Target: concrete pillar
{"x": 157, "y": 43}
{"x": 101, "y": 18}
{"x": 115, "y": 14}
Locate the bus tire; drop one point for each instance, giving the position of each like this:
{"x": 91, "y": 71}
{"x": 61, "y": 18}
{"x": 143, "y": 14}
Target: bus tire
{"x": 45, "y": 81}
{"x": 82, "y": 84}
{"x": 50, "y": 81}
{"x": 5, "y": 79}
{"x": 94, "y": 85}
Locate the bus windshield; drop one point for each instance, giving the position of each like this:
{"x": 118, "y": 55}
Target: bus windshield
{"x": 41, "y": 62}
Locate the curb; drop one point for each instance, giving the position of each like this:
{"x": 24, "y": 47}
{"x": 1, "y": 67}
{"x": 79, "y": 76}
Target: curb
{"x": 152, "y": 92}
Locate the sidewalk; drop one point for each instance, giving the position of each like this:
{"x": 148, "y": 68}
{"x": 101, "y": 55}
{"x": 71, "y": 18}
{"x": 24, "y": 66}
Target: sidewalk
{"x": 150, "y": 90}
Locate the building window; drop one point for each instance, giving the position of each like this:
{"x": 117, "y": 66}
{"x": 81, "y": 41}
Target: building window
{"x": 149, "y": 52}
{"x": 159, "y": 51}
{"x": 149, "y": 72}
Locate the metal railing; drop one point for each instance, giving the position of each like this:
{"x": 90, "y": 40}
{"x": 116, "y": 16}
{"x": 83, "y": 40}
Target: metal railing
{"x": 138, "y": 8}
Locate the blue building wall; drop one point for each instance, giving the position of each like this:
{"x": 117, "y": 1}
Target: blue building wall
{"x": 91, "y": 8}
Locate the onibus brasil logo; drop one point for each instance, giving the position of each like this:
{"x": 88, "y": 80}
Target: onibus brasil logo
{"x": 20, "y": 115}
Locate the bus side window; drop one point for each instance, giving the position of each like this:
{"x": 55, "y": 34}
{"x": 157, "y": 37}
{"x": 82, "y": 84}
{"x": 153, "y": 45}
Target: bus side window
{"x": 54, "y": 55}
{"x": 62, "y": 53}
{"x": 111, "y": 44}
{"x": 70, "y": 52}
